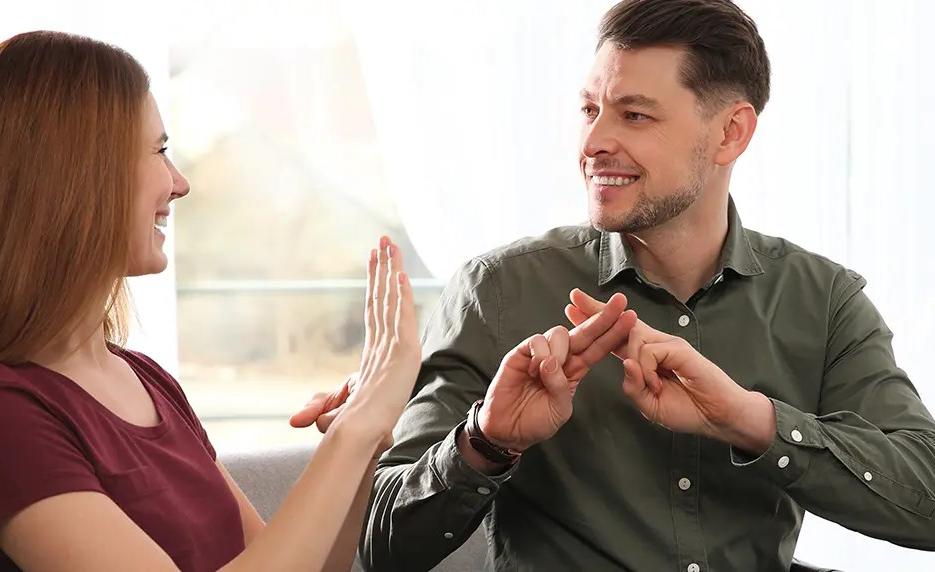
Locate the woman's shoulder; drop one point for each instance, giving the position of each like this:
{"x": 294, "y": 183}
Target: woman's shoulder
{"x": 27, "y": 379}
{"x": 30, "y": 393}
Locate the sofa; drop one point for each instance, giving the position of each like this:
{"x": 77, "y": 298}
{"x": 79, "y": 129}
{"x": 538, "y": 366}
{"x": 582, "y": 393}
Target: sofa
{"x": 266, "y": 476}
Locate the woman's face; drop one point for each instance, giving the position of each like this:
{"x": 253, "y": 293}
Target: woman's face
{"x": 158, "y": 183}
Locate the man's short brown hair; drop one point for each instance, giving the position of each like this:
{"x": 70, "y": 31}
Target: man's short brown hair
{"x": 725, "y": 58}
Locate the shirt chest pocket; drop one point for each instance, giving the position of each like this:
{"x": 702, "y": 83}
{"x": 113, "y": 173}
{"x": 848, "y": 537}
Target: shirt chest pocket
{"x": 133, "y": 485}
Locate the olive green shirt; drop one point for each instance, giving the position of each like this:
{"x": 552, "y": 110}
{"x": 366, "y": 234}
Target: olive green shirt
{"x": 611, "y": 491}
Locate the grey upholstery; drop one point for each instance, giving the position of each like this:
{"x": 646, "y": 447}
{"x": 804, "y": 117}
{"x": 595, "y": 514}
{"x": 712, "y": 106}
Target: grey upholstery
{"x": 266, "y": 477}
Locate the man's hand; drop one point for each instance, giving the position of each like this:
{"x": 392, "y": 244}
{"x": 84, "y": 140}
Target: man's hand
{"x": 675, "y": 386}
{"x": 530, "y": 396}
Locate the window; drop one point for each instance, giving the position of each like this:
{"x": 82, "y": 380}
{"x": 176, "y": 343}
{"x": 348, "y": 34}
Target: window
{"x": 274, "y": 130}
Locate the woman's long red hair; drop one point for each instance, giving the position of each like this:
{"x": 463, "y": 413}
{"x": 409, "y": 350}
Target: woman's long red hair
{"x": 70, "y": 120}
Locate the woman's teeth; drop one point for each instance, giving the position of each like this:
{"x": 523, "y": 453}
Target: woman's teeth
{"x": 161, "y": 221}
{"x": 615, "y": 181}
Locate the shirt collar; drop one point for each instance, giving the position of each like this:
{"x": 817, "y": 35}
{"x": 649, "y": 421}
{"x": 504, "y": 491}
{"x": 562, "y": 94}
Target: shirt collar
{"x": 737, "y": 254}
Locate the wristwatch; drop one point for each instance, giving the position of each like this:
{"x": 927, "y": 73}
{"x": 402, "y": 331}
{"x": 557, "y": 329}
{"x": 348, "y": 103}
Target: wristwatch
{"x": 477, "y": 439}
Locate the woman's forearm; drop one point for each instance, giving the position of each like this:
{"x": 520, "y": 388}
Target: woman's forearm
{"x": 303, "y": 532}
{"x": 342, "y": 554}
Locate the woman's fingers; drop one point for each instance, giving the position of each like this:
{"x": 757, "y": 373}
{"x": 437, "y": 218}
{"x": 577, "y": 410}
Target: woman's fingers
{"x": 393, "y": 311}
{"x": 391, "y": 296}
{"x": 379, "y": 290}
{"x": 369, "y": 316}
{"x": 407, "y": 327}
{"x": 376, "y": 269}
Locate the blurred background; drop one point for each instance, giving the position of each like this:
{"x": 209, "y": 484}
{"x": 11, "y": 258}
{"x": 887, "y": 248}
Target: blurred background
{"x": 307, "y": 129}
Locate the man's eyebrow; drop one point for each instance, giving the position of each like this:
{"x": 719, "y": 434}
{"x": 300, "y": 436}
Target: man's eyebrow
{"x": 637, "y": 99}
{"x": 628, "y": 99}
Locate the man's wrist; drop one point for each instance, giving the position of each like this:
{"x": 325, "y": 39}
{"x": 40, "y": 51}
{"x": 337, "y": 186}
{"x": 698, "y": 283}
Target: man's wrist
{"x": 475, "y": 459}
{"x": 494, "y": 452}
{"x": 752, "y": 427}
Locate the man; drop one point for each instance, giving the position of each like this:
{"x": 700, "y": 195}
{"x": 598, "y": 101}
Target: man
{"x": 758, "y": 383}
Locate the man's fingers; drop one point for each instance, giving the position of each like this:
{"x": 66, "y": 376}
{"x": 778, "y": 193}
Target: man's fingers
{"x": 610, "y": 340}
{"x": 311, "y": 411}
{"x": 594, "y": 327}
{"x": 517, "y": 360}
{"x": 324, "y": 421}
{"x": 650, "y": 357}
{"x": 574, "y": 315}
{"x": 538, "y": 351}
{"x": 665, "y": 357}
{"x": 553, "y": 378}
{"x": 634, "y": 385}
{"x": 558, "y": 343}
{"x": 588, "y": 305}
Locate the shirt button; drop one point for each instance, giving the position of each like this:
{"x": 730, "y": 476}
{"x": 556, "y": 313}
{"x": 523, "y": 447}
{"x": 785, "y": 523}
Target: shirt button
{"x": 694, "y": 567}
{"x": 783, "y": 462}
{"x": 684, "y": 320}
{"x": 685, "y": 484}
{"x": 449, "y": 536}
{"x": 796, "y": 436}
{"x": 483, "y": 490}
{"x": 868, "y": 477}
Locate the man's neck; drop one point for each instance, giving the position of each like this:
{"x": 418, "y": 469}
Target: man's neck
{"x": 683, "y": 254}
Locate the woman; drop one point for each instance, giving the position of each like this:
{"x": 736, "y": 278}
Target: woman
{"x": 105, "y": 466}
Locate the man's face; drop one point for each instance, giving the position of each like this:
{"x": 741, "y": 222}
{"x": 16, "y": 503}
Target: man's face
{"x": 644, "y": 149}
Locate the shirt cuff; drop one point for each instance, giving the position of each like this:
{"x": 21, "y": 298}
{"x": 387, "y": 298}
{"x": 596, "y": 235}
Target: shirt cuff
{"x": 798, "y": 436}
{"x": 455, "y": 472}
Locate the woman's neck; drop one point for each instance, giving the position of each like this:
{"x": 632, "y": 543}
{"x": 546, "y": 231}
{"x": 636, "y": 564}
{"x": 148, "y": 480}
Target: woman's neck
{"x": 85, "y": 347}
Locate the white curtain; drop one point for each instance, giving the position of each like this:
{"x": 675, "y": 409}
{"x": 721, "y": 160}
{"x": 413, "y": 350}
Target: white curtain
{"x": 476, "y": 107}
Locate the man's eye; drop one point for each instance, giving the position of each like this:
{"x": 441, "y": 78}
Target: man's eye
{"x": 589, "y": 111}
{"x": 636, "y": 116}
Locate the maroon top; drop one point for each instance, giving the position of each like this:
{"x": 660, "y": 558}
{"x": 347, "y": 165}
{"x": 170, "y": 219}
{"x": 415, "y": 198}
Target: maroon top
{"x": 56, "y": 438}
